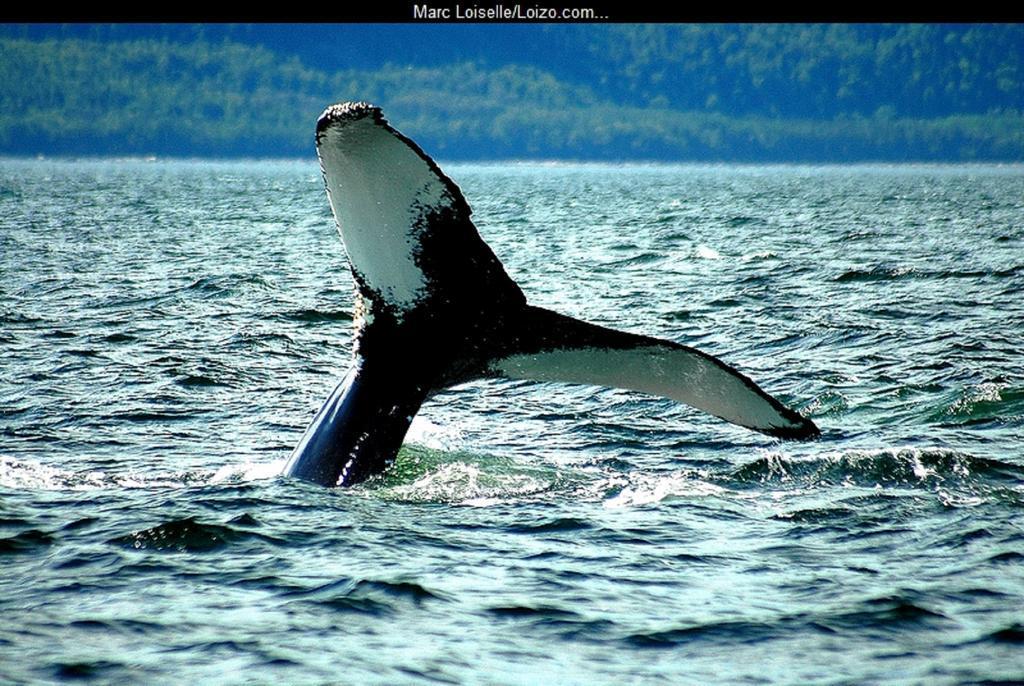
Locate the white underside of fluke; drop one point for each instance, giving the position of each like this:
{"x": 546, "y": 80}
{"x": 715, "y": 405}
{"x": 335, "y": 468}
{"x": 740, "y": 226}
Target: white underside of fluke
{"x": 380, "y": 191}
{"x": 673, "y": 372}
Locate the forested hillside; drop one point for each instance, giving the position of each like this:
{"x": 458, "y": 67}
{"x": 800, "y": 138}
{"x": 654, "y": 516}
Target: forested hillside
{"x": 666, "y": 92}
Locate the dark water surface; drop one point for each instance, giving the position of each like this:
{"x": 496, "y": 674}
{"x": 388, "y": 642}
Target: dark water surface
{"x": 167, "y": 330}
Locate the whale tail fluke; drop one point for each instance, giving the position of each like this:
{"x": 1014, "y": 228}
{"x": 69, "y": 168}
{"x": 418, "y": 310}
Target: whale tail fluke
{"x": 553, "y": 347}
{"x": 436, "y": 308}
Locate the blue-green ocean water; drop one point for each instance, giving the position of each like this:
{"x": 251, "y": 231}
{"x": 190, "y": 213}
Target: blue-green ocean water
{"x": 167, "y": 330}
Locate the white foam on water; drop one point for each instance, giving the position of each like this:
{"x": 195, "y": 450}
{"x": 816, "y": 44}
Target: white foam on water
{"x": 652, "y": 489}
{"x": 32, "y": 475}
{"x": 705, "y": 252}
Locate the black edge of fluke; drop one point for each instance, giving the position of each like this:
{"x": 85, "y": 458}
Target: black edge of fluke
{"x": 347, "y": 111}
{"x": 806, "y": 431}
{"x": 472, "y": 322}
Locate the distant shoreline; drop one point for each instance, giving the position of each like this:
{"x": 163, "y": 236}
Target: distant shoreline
{"x": 724, "y": 93}
{"x": 162, "y": 159}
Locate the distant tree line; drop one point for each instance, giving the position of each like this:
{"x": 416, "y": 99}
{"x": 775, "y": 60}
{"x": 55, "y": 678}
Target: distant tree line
{"x": 763, "y": 93}
{"x": 812, "y": 70}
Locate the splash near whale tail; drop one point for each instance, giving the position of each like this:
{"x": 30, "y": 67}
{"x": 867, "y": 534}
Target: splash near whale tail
{"x": 436, "y": 308}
